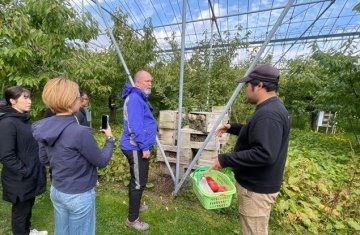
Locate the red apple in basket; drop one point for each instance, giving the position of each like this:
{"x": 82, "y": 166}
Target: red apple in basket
{"x": 222, "y": 189}
{"x": 208, "y": 178}
{"x": 213, "y": 185}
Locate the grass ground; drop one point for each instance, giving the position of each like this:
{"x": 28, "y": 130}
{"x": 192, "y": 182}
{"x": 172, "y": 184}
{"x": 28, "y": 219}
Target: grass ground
{"x": 167, "y": 215}
{"x": 181, "y": 215}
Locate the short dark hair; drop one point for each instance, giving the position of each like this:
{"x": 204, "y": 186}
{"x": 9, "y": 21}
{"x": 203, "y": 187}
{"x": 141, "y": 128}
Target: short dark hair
{"x": 14, "y": 92}
{"x": 82, "y": 92}
{"x": 269, "y": 86}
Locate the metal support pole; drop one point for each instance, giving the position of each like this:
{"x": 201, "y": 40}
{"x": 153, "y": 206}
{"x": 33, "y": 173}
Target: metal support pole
{"x": 117, "y": 49}
{"x": 213, "y": 18}
{"x": 246, "y": 13}
{"x": 129, "y": 76}
{"x": 210, "y": 62}
{"x": 181, "y": 84}
{"x": 317, "y": 18}
{"x": 237, "y": 90}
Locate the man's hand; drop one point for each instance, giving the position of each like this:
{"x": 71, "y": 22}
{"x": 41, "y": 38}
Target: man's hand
{"x": 222, "y": 129}
{"x": 146, "y": 154}
{"x": 216, "y": 164}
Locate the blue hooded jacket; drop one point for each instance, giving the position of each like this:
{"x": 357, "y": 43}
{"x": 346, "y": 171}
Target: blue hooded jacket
{"x": 139, "y": 123}
{"x": 72, "y": 152}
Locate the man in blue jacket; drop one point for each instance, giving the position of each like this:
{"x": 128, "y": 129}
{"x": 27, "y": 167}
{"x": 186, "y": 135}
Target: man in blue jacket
{"x": 136, "y": 141}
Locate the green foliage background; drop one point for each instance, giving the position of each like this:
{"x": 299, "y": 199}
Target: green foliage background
{"x": 321, "y": 186}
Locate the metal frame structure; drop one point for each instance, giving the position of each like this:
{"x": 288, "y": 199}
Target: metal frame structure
{"x": 325, "y": 22}
{"x": 277, "y": 32}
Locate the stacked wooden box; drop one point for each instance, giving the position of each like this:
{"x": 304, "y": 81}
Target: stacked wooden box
{"x": 192, "y": 138}
{"x": 168, "y": 122}
{"x": 200, "y": 124}
{"x": 225, "y": 137}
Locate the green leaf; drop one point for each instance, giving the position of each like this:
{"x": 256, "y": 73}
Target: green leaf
{"x": 339, "y": 225}
{"x": 354, "y": 224}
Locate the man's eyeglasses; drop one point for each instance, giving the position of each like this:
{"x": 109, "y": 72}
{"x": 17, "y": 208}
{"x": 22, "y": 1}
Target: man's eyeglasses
{"x": 79, "y": 98}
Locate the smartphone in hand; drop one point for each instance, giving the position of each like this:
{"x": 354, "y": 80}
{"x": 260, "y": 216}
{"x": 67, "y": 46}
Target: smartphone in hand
{"x": 104, "y": 121}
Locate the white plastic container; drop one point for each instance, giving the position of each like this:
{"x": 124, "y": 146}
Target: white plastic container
{"x": 204, "y": 185}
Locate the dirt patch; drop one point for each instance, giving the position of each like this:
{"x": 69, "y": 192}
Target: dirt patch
{"x": 163, "y": 183}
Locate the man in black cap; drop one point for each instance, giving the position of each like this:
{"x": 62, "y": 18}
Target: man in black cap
{"x": 260, "y": 152}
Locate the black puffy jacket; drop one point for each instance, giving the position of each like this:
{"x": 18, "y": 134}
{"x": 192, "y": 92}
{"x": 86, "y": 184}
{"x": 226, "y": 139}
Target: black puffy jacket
{"x": 22, "y": 176}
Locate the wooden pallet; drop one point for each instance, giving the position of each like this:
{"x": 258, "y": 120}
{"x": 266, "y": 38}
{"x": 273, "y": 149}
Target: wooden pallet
{"x": 165, "y": 171}
{"x": 191, "y": 138}
{"x": 167, "y": 136}
{"x": 204, "y": 121}
{"x": 186, "y": 154}
{"x": 169, "y": 119}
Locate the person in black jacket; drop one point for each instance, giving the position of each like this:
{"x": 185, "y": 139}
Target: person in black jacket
{"x": 23, "y": 177}
{"x": 260, "y": 152}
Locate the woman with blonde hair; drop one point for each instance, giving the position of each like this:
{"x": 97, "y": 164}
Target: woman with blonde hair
{"x": 73, "y": 155}
{"x": 23, "y": 177}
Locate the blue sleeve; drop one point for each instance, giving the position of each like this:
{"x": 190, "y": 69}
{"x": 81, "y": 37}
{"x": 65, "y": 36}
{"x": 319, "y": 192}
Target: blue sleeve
{"x": 136, "y": 111}
{"x": 90, "y": 149}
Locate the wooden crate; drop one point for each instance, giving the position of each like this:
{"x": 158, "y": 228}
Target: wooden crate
{"x": 186, "y": 154}
{"x": 167, "y": 136}
{"x": 191, "y": 138}
{"x": 204, "y": 121}
{"x": 208, "y": 154}
{"x": 169, "y": 119}
{"x": 165, "y": 171}
{"x": 205, "y": 157}
{"x": 205, "y": 162}
{"x": 218, "y": 109}
{"x": 224, "y": 139}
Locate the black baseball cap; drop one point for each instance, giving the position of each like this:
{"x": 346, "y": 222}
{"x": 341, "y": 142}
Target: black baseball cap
{"x": 264, "y": 73}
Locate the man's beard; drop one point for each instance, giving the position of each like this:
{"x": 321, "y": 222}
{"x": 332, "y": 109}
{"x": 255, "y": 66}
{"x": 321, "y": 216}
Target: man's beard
{"x": 147, "y": 91}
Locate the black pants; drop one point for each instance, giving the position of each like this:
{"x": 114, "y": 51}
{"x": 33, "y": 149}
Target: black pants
{"x": 20, "y": 216}
{"x": 139, "y": 169}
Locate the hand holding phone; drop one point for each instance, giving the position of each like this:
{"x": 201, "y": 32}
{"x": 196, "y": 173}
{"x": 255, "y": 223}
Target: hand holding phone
{"x": 105, "y": 127}
{"x": 104, "y": 121}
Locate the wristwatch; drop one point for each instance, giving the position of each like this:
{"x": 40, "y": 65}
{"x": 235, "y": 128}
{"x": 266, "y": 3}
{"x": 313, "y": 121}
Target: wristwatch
{"x": 110, "y": 138}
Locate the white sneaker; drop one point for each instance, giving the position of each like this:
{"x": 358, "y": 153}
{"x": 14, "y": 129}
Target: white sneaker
{"x": 36, "y": 232}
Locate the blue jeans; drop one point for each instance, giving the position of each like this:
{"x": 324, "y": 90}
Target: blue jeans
{"x": 74, "y": 213}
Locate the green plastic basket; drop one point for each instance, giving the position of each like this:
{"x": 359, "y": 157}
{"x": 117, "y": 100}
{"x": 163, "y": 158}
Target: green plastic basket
{"x": 213, "y": 200}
